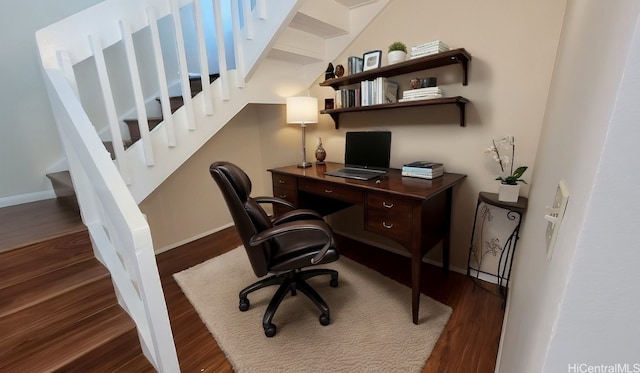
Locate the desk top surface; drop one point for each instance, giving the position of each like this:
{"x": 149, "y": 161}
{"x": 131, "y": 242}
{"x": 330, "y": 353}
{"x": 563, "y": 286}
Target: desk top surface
{"x": 392, "y": 182}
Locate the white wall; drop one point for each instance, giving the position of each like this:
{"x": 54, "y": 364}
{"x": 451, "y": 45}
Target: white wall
{"x": 580, "y": 307}
{"x": 28, "y": 136}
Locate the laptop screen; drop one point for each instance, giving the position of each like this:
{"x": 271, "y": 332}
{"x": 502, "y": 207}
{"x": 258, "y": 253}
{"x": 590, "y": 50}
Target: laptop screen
{"x": 371, "y": 149}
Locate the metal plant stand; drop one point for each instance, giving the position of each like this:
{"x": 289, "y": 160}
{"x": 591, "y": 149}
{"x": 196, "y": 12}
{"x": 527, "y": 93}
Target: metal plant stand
{"x": 485, "y": 245}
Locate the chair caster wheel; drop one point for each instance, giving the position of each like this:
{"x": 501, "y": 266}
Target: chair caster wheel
{"x": 244, "y": 304}
{"x": 333, "y": 283}
{"x": 324, "y": 320}
{"x": 270, "y": 331}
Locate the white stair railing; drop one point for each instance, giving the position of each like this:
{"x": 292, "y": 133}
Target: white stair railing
{"x": 119, "y": 232}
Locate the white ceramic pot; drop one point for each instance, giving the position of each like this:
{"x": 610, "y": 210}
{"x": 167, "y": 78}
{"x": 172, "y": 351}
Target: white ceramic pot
{"x": 508, "y": 193}
{"x": 396, "y": 56}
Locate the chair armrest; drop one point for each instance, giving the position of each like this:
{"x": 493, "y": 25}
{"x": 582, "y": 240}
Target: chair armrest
{"x": 275, "y": 201}
{"x": 296, "y": 215}
{"x": 297, "y": 226}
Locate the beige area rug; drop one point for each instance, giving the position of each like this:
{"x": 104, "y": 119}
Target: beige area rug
{"x": 370, "y": 330}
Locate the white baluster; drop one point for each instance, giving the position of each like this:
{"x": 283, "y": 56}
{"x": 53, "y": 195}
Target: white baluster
{"x": 143, "y": 122}
{"x": 110, "y": 107}
{"x": 165, "y": 102}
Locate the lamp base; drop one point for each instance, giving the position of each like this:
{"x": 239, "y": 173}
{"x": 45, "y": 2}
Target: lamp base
{"x": 304, "y": 164}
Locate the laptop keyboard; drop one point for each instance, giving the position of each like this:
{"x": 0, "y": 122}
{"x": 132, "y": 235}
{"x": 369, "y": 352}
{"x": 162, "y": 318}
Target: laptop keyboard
{"x": 355, "y": 173}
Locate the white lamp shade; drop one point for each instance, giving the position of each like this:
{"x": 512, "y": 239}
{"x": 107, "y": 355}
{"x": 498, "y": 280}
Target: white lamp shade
{"x": 302, "y": 110}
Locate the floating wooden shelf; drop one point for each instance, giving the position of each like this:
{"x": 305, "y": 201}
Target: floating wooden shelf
{"x": 455, "y": 56}
{"x": 451, "y": 57}
{"x": 459, "y": 101}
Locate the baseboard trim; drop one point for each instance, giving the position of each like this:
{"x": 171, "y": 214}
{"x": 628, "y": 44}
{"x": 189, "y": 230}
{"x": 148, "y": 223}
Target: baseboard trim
{"x": 26, "y": 198}
{"x": 191, "y": 239}
{"x": 396, "y": 251}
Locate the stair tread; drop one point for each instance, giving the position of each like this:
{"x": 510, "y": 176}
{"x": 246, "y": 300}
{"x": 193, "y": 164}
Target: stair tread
{"x": 51, "y": 314}
{"x": 29, "y": 223}
{"x": 122, "y": 354}
{"x": 138, "y": 364}
{"x": 74, "y": 341}
{"x": 49, "y": 285}
{"x": 42, "y": 257}
{"x": 149, "y": 119}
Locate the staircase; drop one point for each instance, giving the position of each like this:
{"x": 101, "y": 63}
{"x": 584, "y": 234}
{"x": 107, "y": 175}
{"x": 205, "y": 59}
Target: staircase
{"x": 111, "y": 176}
{"x": 58, "y": 309}
{"x": 175, "y": 103}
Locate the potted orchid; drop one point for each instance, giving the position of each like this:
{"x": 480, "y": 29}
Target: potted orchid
{"x": 503, "y": 152}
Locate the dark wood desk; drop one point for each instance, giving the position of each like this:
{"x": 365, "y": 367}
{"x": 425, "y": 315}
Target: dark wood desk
{"x": 413, "y": 212}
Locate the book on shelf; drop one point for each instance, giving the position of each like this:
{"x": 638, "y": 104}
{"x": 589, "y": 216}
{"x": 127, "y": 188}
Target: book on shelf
{"x": 413, "y": 55}
{"x": 428, "y": 49}
{"x": 390, "y": 92}
{"x": 421, "y": 94}
{"x": 436, "y": 43}
{"x": 354, "y": 65}
{"x": 440, "y": 48}
{"x": 348, "y": 97}
{"x": 421, "y": 91}
{"x": 429, "y": 97}
{"x": 378, "y": 91}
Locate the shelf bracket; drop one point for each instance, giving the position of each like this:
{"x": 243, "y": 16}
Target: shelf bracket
{"x": 465, "y": 64}
{"x": 336, "y": 119}
{"x": 461, "y": 109}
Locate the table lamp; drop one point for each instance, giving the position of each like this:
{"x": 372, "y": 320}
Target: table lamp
{"x": 302, "y": 110}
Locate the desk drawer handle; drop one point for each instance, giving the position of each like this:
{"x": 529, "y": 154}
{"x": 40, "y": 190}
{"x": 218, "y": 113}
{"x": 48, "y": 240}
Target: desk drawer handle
{"x": 328, "y": 191}
{"x": 281, "y": 181}
{"x": 388, "y": 226}
{"x": 387, "y": 205}
{"x": 283, "y": 196}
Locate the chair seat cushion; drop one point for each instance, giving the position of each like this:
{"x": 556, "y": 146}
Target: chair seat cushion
{"x": 295, "y": 250}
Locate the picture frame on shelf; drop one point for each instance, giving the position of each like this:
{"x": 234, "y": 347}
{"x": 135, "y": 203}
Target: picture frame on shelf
{"x": 372, "y": 60}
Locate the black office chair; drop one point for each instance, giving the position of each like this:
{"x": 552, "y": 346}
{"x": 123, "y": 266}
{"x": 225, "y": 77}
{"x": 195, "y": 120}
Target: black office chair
{"x": 297, "y": 239}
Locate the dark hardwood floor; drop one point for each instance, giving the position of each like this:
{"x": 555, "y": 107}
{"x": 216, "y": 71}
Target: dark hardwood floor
{"x": 469, "y": 342}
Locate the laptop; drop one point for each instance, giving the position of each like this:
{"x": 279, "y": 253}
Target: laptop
{"x": 366, "y": 155}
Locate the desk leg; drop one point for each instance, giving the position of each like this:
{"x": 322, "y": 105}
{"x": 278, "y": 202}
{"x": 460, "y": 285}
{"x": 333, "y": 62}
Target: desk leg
{"x": 416, "y": 265}
{"x": 446, "y": 239}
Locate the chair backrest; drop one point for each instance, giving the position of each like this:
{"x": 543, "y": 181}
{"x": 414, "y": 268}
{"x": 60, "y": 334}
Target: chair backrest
{"x": 247, "y": 214}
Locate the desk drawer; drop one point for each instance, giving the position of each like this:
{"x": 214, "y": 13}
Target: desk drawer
{"x": 285, "y": 181}
{"x": 285, "y": 187}
{"x": 287, "y": 193}
{"x": 329, "y": 190}
{"x": 389, "y": 216}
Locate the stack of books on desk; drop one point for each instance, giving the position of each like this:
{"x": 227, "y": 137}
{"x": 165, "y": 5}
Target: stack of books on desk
{"x": 423, "y": 169}
{"x": 426, "y": 49}
{"x": 421, "y": 94}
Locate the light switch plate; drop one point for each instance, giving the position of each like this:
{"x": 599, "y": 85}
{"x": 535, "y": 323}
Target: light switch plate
{"x": 554, "y": 216}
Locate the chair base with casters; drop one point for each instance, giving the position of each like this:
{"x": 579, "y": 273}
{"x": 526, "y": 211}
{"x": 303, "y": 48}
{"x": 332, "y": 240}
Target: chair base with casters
{"x": 290, "y": 282}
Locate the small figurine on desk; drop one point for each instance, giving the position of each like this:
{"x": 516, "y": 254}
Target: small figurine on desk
{"x": 329, "y": 74}
{"x": 321, "y": 154}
